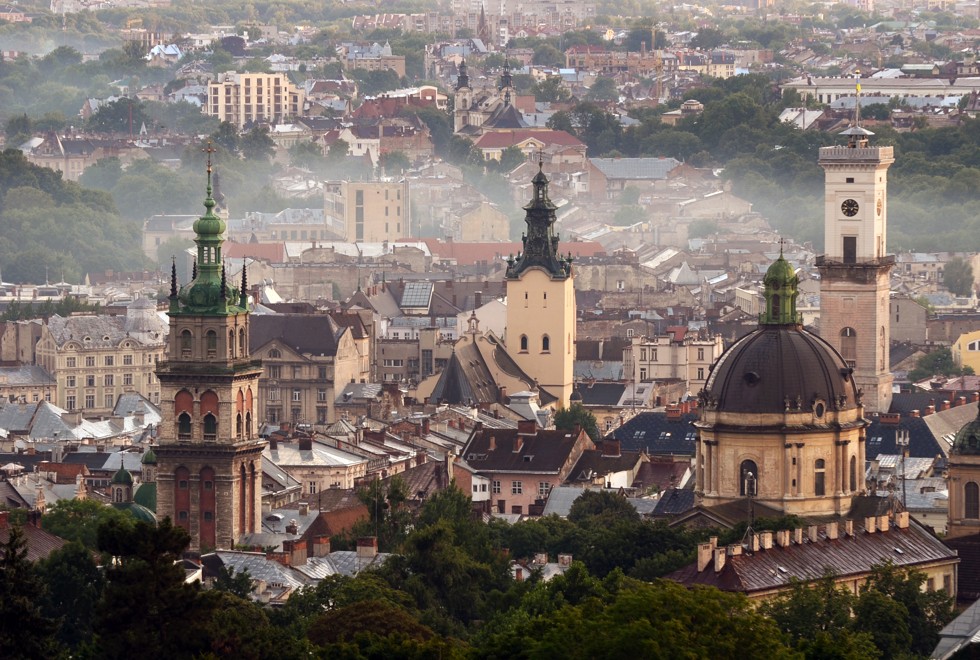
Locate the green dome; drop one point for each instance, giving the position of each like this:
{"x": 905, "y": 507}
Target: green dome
{"x": 139, "y": 512}
{"x": 149, "y": 457}
{"x": 209, "y": 224}
{"x": 146, "y": 495}
{"x": 781, "y": 274}
{"x": 781, "y": 282}
{"x": 122, "y": 477}
{"x": 967, "y": 440}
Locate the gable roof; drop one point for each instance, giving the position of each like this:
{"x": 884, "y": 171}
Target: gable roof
{"x": 510, "y": 138}
{"x": 312, "y": 334}
{"x": 635, "y": 168}
{"x": 655, "y": 433}
{"x": 508, "y": 450}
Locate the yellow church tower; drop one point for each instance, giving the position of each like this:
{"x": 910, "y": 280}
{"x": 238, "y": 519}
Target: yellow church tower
{"x": 854, "y": 270}
{"x": 541, "y": 315}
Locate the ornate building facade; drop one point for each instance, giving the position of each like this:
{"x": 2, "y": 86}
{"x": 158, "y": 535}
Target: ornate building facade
{"x": 209, "y": 457}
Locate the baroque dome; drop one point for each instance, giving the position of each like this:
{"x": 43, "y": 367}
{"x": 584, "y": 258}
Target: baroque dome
{"x": 967, "y": 440}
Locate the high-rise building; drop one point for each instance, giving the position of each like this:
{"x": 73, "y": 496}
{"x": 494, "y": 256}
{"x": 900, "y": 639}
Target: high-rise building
{"x": 854, "y": 269}
{"x": 209, "y": 457}
{"x": 243, "y": 98}
{"x": 541, "y": 301}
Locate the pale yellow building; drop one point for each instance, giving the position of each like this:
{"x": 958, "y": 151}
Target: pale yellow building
{"x": 966, "y": 350}
{"x": 241, "y": 98}
{"x": 678, "y": 355}
{"x": 541, "y": 301}
{"x": 94, "y": 359}
{"x": 371, "y": 211}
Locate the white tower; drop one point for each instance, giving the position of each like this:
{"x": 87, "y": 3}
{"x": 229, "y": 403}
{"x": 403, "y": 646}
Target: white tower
{"x": 854, "y": 269}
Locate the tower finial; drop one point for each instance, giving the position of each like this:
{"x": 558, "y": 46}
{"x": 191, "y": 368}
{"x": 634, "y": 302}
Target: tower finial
{"x": 224, "y": 282}
{"x": 209, "y": 150}
{"x": 173, "y": 277}
{"x": 243, "y": 294}
{"x": 857, "y": 98}
{"x": 194, "y": 270}
{"x": 781, "y": 242}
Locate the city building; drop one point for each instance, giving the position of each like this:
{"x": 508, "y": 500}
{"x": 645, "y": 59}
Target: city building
{"x": 245, "y": 98}
{"x": 854, "y": 271}
{"x": 371, "y": 211}
{"x": 209, "y": 456}
{"x": 541, "y": 309}
{"x": 95, "y": 359}
{"x": 677, "y": 355}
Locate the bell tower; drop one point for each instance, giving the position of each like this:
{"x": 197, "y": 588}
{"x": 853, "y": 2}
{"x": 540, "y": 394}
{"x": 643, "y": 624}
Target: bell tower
{"x": 541, "y": 315}
{"x": 462, "y": 99}
{"x": 854, "y": 270}
{"x": 209, "y": 456}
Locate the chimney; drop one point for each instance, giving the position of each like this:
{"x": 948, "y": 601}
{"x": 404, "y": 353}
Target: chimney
{"x": 367, "y": 547}
{"x": 914, "y": 414}
{"x": 766, "y": 539}
{"x": 944, "y": 405}
{"x": 869, "y": 524}
{"x": 929, "y": 410}
{"x": 478, "y": 299}
{"x": 704, "y": 553}
{"x": 849, "y": 527}
{"x": 611, "y": 447}
{"x": 503, "y": 394}
{"x": 961, "y": 401}
{"x": 811, "y": 533}
{"x": 518, "y": 573}
{"x": 891, "y": 419}
{"x": 754, "y": 543}
{"x": 518, "y": 444}
{"x": 673, "y": 412}
{"x": 321, "y": 545}
{"x": 564, "y": 560}
{"x": 782, "y": 538}
{"x": 735, "y": 550}
{"x": 974, "y": 397}
{"x": 883, "y": 523}
{"x": 798, "y": 536}
{"x": 719, "y": 559}
{"x": 296, "y": 551}
{"x": 832, "y": 531}
{"x": 305, "y": 443}
{"x": 304, "y": 508}
{"x": 902, "y": 520}
{"x": 292, "y": 527}
{"x": 273, "y": 444}
{"x": 526, "y": 427}
{"x": 540, "y": 558}
{"x": 4, "y": 519}
{"x": 281, "y": 557}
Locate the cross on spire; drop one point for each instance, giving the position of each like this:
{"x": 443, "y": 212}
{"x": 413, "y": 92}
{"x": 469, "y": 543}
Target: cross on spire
{"x": 209, "y": 150}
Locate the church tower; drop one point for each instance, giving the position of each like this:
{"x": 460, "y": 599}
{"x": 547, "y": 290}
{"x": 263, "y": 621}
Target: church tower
{"x": 541, "y": 300}
{"x": 209, "y": 456}
{"x": 462, "y": 99}
{"x": 854, "y": 269}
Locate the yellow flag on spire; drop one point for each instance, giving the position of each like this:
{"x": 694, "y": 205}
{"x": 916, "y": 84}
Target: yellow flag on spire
{"x": 857, "y": 83}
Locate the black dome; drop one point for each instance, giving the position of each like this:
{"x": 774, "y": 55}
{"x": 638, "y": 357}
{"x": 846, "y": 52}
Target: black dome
{"x": 776, "y": 369}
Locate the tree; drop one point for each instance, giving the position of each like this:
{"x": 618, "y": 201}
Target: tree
{"x": 338, "y": 150}
{"x": 237, "y": 583}
{"x": 937, "y": 363}
{"x": 547, "y": 55}
{"x": 256, "y": 145}
{"x": 24, "y": 631}
{"x": 73, "y": 586}
{"x": 577, "y": 414}
{"x": 603, "y": 505}
{"x": 79, "y": 520}
{"x": 550, "y": 89}
{"x": 958, "y": 276}
{"x": 708, "y": 39}
{"x": 603, "y": 89}
{"x": 122, "y": 116}
{"x": 395, "y": 161}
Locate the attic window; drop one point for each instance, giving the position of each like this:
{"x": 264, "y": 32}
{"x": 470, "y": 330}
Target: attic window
{"x": 527, "y": 458}
{"x": 105, "y": 338}
{"x": 86, "y": 338}
{"x": 639, "y": 434}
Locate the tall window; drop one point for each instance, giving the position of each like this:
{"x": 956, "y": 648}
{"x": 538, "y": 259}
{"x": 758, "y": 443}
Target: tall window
{"x": 819, "y": 477}
{"x": 853, "y": 473}
{"x": 210, "y": 428}
{"x": 186, "y": 339}
{"x": 184, "y": 427}
{"x": 211, "y": 343}
{"x": 848, "y": 346}
{"x": 545, "y": 343}
{"x": 971, "y": 500}
{"x": 748, "y": 478}
{"x": 523, "y": 342}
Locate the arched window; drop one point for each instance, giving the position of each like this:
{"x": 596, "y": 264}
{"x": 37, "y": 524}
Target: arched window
{"x": 241, "y": 342}
{"x": 231, "y": 343}
{"x": 819, "y": 477}
{"x": 545, "y": 343}
{"x": 971, "y": 500}
{"x": 748, "y": 478}
{"x": 275, "y": 353}
{"x": 210, "y": 428}
{"x": 775, "y": 305}
{"x": 211, "y": 343}
{"x": 248, "y": 425}
{"x": 854, "y": 477}
{"x": 238, "y": 425}
{"x": 848, "y": 346}
{"x": 184, "y": 426}
{"x": 186, "y": 343}
{"x": 523, "y": 342}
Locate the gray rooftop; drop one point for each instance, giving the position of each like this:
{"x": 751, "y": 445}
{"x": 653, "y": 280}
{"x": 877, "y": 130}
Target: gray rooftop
{"x": 635, "y": 168}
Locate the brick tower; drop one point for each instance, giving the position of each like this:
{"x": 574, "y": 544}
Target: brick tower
{"x": 209, "y": 458}
{"x": 854, "y": 269}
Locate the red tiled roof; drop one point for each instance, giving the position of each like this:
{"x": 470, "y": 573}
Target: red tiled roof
{"x": 65, "y": 473}
{"x": 504, "y": 139}
{"x": 40, "y": 543}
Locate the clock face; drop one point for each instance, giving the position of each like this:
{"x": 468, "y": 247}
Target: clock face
{"x": 849, "y": 208}
{"x": 879, "y": 206}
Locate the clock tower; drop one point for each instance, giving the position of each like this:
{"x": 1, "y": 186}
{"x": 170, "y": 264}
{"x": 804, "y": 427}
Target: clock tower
{"x": 209, "y": 456}
{"x": 854, "y": 269}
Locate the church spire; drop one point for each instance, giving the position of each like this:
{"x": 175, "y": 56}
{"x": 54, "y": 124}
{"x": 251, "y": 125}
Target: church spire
{"x": 463, "y": 80}
{"x": 243, "y": 294}
{"x": 540, "y": 240}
